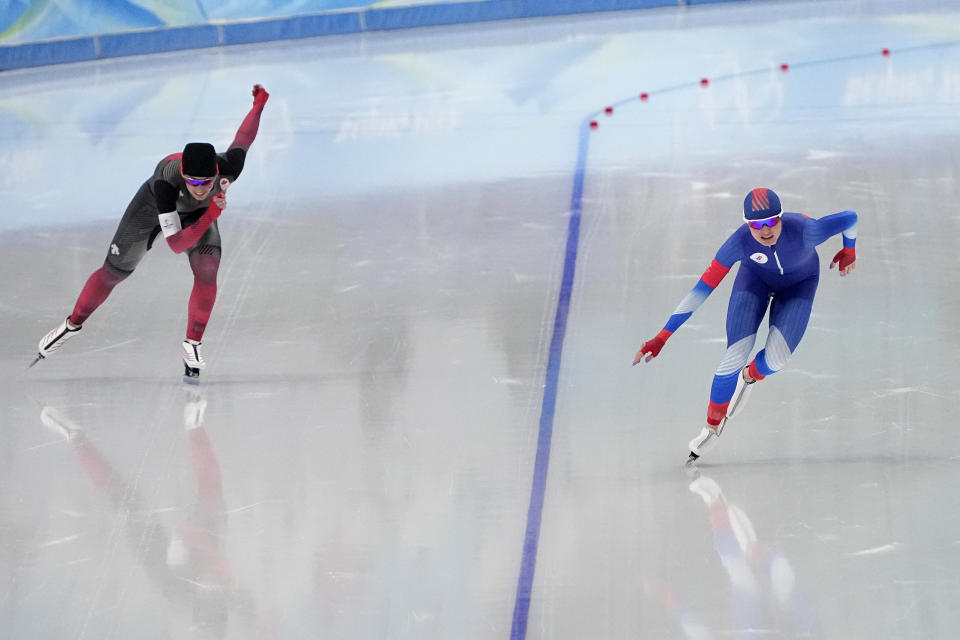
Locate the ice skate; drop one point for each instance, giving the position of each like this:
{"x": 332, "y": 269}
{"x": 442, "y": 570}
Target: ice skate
{"x": 192, "y": 361}
{"x": 705, "y": 441}
{"x": 740, "y": 395}
{"x": 52, "y": 342}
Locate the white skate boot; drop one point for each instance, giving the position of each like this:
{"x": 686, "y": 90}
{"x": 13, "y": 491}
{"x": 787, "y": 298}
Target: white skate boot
{"x": 52, "y": 342}
{"x": 740, "y": 395}
{"x": 705, "y": 441}
{"x": 192, "y": 360}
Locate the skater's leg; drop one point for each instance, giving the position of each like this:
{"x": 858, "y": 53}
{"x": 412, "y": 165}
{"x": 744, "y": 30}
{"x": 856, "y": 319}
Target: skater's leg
{"x": 99, "y": 285}
{"x": 748, "y": 304}
{"x": 789, "y": 315}
{"x": 129, "y": 245}
{"x": 205, "y": 263}
{"x": 97, "y": 288}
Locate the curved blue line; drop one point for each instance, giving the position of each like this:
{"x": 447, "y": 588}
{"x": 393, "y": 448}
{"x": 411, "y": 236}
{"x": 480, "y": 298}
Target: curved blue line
{"x": 521, "y": 607}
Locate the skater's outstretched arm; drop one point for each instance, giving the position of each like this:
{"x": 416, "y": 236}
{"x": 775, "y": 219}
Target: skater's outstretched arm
{"x": 816, "y": 231}
{"x": 712, "y": 276}
{"x": 247, "y": 132}
{"x": 231, "y": 162}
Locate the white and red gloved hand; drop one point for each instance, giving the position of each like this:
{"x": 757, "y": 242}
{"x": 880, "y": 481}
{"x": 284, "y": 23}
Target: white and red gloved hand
{"x": 221, "y": 198}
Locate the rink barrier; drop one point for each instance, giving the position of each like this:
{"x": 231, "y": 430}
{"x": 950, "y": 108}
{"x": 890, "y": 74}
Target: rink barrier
{"x": 164, "y": 39}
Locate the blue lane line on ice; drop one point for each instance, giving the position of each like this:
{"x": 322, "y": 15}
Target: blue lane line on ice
{"x": 531, "y": 540}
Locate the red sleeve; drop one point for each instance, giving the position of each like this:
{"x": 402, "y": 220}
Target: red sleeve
{"x": 248, "y": 129}
{"x": 714, "y": 274}
{"x": 186, "y": 238}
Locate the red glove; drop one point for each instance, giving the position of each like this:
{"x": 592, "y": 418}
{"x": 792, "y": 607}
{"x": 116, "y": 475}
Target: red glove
{"x": 651, "y": 348}
{"x": 260, "y": 96}
{"x": 845, "y": 259}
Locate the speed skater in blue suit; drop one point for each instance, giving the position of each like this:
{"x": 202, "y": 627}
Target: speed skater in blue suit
{"x": 779, "y": 270}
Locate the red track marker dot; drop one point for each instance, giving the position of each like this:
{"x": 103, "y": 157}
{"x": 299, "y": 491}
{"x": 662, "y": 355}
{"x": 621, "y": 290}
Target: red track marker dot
{"x": 886, "y": 52}
{"x": 784, "y": 67}
{"x": 594, "y": 124}
{"x": 608, "y": 111}
{"x": 644, "y": 97}
{"x": 704, "y": 82}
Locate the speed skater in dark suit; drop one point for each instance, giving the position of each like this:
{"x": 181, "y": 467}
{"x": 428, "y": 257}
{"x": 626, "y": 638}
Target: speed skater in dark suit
{"x": 182, "y": 199}
{"x": 779, "y": 270}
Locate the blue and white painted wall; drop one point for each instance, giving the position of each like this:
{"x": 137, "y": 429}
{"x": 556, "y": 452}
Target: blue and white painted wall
{"x": 44, "y": 32}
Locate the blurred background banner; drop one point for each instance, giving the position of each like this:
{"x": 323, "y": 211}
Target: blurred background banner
{"x": 44, "y": 32}
{"x": 27, "y": 21}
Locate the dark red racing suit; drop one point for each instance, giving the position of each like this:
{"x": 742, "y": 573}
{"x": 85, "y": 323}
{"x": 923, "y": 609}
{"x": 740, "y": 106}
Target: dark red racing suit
{"x": 166, "y": 192}
{"x": 164, "y": 204}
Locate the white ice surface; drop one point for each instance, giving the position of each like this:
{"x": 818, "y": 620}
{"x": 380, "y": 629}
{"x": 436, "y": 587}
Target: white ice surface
{"x": 357, "y": 461}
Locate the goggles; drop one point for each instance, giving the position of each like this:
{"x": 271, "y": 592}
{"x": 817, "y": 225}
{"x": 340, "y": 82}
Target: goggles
{"x": 760, "y": 224}
{"x": 197, "y": 182}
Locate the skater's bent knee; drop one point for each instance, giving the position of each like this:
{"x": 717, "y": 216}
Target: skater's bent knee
{"x": 205, "y": 265}
{"x": 113, "y": 274}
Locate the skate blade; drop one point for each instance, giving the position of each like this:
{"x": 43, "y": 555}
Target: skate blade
{"x": 723, "y": 423}
{"x": 191, "y": 375}
{"x": 35, "y": 361}
{"x": 741, "y": 393}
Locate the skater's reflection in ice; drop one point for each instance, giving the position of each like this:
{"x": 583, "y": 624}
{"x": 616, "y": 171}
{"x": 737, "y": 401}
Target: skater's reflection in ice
{"x": 185, "y": 561}
{"x": 765, "y": 595}
{"x": 691, "y": 624}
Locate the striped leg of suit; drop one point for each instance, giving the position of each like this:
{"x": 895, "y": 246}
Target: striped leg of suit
{"x": 789, "y": 315}
{"x": 745, "y": 311}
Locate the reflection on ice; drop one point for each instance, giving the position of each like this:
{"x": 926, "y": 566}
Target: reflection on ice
{"x": 185, "y": 560}
{"x": 765, "y": 595}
